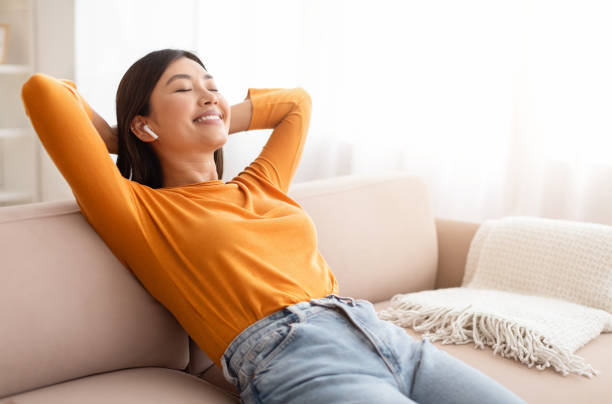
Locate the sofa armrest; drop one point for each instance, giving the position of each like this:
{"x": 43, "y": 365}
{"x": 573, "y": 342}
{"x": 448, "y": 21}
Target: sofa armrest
{"x": 454, "y": 239}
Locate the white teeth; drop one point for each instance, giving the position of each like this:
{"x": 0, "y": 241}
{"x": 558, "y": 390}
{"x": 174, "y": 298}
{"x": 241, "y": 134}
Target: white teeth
{"x": 208, "y": 117}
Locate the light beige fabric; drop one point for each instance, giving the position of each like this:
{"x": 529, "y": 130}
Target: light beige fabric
{"x": 562, "y": 259}
{"x": 62, "y": 274}
{"x": 534, "y": 289}
{"x": 454, "y": 238}
{"x": 68, "y": 308}
{"x": 400, "y": 205}
{"x": 539, "y": 331}
{"x": 376, "y": 232}
{"x": 533, "y": 385}
{"x": 131, "y": 386}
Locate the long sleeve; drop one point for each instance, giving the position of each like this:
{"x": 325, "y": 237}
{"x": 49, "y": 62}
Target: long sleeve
{"x": 288, "y": 112}
{"x": 62, "y": 120}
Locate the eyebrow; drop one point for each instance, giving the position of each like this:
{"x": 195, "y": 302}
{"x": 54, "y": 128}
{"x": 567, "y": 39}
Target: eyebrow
{"x": 186, "y": 76}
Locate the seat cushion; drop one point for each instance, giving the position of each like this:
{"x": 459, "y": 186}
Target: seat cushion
{"x": 138, "y": 385}
{"x": 534, "y": 385}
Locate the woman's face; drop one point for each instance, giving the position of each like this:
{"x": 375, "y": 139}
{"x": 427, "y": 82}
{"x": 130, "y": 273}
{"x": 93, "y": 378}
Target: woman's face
{"x": 184, "y": 93}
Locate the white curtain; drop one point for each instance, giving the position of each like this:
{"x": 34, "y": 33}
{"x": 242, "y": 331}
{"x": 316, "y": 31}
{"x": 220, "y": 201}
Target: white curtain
{"x": 502, "y": 107}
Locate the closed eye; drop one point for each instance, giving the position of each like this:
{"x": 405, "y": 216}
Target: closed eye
{"x": 188, "y": 89}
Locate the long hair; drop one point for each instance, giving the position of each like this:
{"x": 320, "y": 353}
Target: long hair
{"x": 136, "y": 159}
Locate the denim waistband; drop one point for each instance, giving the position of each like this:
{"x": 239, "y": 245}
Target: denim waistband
{"x": 235, "y": 353}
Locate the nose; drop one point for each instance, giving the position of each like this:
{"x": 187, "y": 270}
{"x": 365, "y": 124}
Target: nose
{"x": 208, "y": 97}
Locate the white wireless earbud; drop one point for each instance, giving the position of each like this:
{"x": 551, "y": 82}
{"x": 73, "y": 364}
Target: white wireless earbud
{"x": 149, "y": 131}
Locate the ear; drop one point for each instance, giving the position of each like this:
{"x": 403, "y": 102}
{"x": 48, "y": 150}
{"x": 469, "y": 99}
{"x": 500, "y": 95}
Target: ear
{"x": 138, "y": 122}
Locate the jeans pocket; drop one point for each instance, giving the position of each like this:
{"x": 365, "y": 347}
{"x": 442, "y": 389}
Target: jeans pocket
{"x": 271, "y": 346}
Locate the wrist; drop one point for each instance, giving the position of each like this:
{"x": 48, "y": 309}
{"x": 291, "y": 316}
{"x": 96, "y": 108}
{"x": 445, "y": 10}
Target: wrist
{"x": 241, "y": 116}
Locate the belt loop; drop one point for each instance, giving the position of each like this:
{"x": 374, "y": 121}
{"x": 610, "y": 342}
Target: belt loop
{"x": 349, "y": 300}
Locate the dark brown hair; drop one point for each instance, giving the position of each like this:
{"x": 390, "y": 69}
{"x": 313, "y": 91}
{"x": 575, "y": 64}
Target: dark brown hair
{"x": 136, "y": 159}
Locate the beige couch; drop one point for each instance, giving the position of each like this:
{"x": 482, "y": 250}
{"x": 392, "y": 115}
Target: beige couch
{"x": 77, "y": 327}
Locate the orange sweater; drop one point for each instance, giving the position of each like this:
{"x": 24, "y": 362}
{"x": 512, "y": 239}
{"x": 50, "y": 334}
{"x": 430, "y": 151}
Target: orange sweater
{"x": 219, "y": 256}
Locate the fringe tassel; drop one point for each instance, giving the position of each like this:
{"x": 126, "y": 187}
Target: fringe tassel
{"x": 507, "y": 339}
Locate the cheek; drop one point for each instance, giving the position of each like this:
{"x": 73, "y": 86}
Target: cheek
{"x": 226, "y": 109}
{"x": 173, "y": 111}
{"x": 180, "y": 104}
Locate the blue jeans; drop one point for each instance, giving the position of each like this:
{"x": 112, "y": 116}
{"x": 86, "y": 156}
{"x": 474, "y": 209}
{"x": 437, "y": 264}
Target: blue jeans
{"x": 336, "y": 350}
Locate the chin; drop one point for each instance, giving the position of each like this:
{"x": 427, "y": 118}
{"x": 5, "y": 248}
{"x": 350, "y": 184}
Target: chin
{"x": 223, "y": 142}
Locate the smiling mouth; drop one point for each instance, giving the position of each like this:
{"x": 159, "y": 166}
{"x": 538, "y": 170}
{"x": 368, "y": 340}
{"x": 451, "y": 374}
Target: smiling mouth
{"x": 209, "y": 118}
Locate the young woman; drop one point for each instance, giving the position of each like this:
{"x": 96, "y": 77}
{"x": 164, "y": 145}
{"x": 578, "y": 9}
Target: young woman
{"x": 236, "y": 262}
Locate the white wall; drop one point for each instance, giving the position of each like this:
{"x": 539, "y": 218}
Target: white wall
{"x": 55, "y": 55}
{"x": 243, "y": 44}
{"x": 500, "y": 107}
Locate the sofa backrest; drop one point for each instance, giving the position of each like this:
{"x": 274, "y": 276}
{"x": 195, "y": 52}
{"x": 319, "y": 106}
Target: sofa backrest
{"x": 68, "y": 307}
{"x": 376, "y": 232}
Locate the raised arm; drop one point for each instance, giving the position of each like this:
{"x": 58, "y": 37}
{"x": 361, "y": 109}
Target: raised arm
{"x": 106, "y": 132}
{"x": 241, "y": 116}
{"x": 62, "y": 120}
{"x": 287, "y": 111}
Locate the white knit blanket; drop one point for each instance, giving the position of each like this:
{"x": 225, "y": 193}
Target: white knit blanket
{"x": 534, "y": 290}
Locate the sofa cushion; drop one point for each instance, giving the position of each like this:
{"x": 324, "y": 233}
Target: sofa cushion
{"x": 376, "y": 232}
{"x": 141, "y": 385}
{"x": 69, "y": 308}
{"x": 534, "y": 385}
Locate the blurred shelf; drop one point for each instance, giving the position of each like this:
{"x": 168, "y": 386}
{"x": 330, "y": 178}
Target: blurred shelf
{"x": 9, "y": 197}
{"x": 6, "y": 133}
{"x": 15, "y": 69}
{"x": 19, "y": 160}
